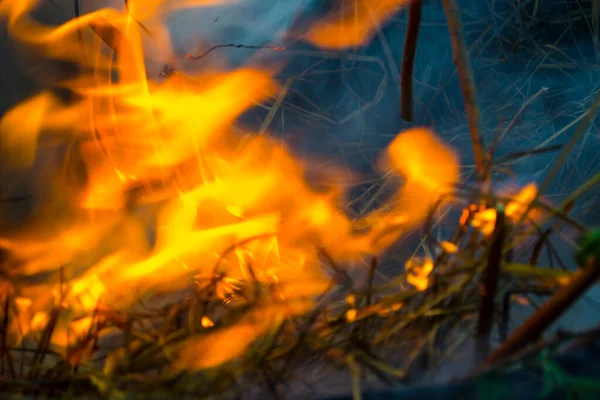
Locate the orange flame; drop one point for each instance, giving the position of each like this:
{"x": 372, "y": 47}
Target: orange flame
{"x": 485, "y": 220}
{"x": 418, "y": 271}
{"x": 356, "y": 26}
{"x": 218, "y": 202}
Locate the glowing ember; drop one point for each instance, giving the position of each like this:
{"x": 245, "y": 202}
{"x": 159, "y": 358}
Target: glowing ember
{"x": 351, "y": 315}
{"x": 449, "y": 247}
{"x": 418, "y": 271}
{"x": 389, "y": 310}
{"x": 351, "y": 300}
{"x": 484, "y": 220}
{"x": 521, "y": 300}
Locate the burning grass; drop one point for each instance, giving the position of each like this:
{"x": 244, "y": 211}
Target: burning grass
{"x": 251, "y": 277}
{"x": 223, "y": 336}
{"x": 226, "y": 333}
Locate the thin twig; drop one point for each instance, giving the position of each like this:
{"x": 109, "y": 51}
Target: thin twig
{"x": 517, "y": 156}
{"x": 372, "y": 269}
{"x": 463, "y": 67}
{"x": 581, "y": 128}
{"x": 5, "y": 348}
{"x": 490, "y": 287}
{"x": 590, "y": 184}
{"x": 15, "y": 199}
{"x": 505, "y": 319}
{"x": 232, "y": 45}
{"x": 537, "y": 248}
{"x": 408, "y": 58}
{"x": 512, "y": 123}
{"x": 77, "y": 13}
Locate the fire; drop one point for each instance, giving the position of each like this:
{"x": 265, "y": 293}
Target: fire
{"x": 484, "y": 220}
{"x": 418, "y": 271}
{"x": 163, "y": 157}
{"x": 206, "y": 322}
{"x": 356, "y": 26}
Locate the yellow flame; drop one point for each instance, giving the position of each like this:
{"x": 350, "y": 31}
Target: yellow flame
{"x": 485, "y": 220}
{"x": 206, "y": 322}
{"x": 351, "y": 315}
{"x": 224, "y": 207}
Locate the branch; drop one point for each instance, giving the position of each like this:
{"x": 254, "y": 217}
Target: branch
{"x": 548, "y": 313}
{"x": 490, "y": 287}
{"x": 465, "y": 75}
{"x": 408, "y": 59}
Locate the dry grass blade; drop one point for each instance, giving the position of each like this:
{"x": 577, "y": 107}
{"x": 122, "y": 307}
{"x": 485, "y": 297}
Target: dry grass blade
{"x": 586, "y": 120}
{"x": 461, "y": 59}
{"x": 591, "y": 183}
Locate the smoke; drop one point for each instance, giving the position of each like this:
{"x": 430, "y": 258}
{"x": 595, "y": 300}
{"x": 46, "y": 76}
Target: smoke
{"x": 250, "y": 22}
